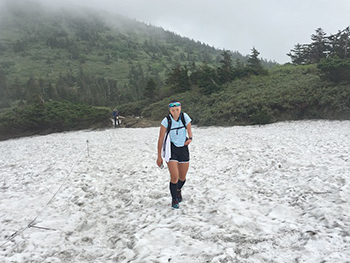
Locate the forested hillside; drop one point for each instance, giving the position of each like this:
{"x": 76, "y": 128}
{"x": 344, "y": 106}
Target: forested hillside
{"x": 66, "y": 68}
{"x": 84, "y": 56}
{"x": 287, "y": 93}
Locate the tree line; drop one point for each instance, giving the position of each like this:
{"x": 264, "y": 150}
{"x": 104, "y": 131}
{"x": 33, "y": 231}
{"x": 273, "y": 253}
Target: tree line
{"x": 89, "y": 88}
{"x": 322, "y": 46}
{"x": 208, "y": 79}
{"x": 331, "y": 54}
{"x": 82, "y": 87}
{"x": 82, "y": 57}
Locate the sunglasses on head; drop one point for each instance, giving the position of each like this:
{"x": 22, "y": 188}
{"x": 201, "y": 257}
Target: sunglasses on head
{"x": 174, "y": 104}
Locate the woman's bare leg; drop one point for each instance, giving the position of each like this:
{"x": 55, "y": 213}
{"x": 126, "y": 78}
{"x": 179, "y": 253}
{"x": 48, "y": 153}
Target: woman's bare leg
{"x": 183, "y": 168}
{"x": 174, "y": 171}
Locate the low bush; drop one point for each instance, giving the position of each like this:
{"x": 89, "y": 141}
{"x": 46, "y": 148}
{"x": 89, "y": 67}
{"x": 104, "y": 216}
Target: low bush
{"x": 51, "y": 117}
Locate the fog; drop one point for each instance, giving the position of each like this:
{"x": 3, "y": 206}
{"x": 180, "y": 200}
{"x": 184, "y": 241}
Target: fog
{"x": 273, "y": 27}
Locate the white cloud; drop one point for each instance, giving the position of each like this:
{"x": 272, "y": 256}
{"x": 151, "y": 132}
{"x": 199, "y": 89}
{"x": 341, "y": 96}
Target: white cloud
{"x": 273, "y": 27}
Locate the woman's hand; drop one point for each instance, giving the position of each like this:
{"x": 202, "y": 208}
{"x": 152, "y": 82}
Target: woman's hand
{"x": 159, "y": 161}
{"x": 188, "y": 141}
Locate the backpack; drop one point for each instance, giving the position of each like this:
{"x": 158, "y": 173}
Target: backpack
{"x": 182, "y": 118}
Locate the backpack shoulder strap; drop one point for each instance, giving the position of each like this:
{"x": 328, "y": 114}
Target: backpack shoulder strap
{"x": 167, "y": 130}
{"x": 169, "y": 123}
{"x": 182, "y": 116}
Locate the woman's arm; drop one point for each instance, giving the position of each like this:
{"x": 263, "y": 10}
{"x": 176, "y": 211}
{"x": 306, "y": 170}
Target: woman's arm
{"x": 189, "y": 131}
{"x": 160, "y": 145}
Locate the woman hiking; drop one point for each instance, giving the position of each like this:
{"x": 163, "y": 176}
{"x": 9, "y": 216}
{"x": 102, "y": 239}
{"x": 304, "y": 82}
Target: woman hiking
{"x": 173, "y": 147}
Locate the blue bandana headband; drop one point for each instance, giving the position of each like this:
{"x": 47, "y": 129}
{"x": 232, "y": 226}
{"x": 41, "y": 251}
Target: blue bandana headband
{"x": 174, "y": 104}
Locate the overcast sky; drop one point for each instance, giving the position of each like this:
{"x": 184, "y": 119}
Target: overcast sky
{"x": 273, "y": 27}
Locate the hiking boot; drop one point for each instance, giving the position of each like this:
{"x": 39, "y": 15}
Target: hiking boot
{"x": 175, "y": 204}
{"x": 179, "y": 196}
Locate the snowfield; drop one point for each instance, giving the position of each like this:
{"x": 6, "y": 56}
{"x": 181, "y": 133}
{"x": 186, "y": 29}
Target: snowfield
{"x": 273, "y": 193}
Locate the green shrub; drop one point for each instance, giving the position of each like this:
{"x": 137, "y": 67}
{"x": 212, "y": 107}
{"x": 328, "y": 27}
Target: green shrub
{"x": 133, "y": 108}
{"x": 335, "y": 69}
{"x": 51, "y": 117}
{"x": 262, "y": 116}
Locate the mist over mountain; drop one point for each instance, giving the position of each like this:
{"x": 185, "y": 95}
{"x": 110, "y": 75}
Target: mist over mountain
{"x": 57, "y": 44}
{"x": 54, "y": 57}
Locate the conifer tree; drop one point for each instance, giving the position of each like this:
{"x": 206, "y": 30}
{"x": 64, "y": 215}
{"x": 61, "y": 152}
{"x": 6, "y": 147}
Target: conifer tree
{"x": 254, "y": 66}
{"x": 239, "y": 69}
{"x": 208, "y": 80}
{"x": 319, "y": 48}
{"x": 340, "y": 44}
{"x": 32, "y": 90}
{"x": 298, "y": 55}
{"x": 4, "y": 94}
{"x": 178, "y": 79}
{"x": 150, "y": 89}
{"x": 226, "y": 69}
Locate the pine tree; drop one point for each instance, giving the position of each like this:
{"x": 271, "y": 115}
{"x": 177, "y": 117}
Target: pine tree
{"x": 239, "y": 69}
{"x": 299, "y": 54}
{"x": 319, "y": 48}
{"x": 178, "y": 79}
{"x": 150, "y": 89}
{"x": 340, "y": 44}
{"x": 225, "y": 71}
{"x": 254, "y": 66}
{"x": 207, "y": 80}
{"x": 112, "y": 92}
{"x": 4, "y": 93}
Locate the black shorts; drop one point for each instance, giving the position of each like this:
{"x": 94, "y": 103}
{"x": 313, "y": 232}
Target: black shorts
{"x": 180, "y": 154}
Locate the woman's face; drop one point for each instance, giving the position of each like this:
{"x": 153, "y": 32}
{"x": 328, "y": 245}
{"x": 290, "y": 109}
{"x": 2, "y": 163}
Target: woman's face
{"x": 175, "y": 112}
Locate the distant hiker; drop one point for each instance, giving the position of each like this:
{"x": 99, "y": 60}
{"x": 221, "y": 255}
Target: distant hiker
{"x": 173, "y": 147}
{"x": 115, "y": 115}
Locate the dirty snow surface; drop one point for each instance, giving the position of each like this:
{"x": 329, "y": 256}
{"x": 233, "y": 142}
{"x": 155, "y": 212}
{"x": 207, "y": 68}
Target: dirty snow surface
{"x": 273, "y": 193}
